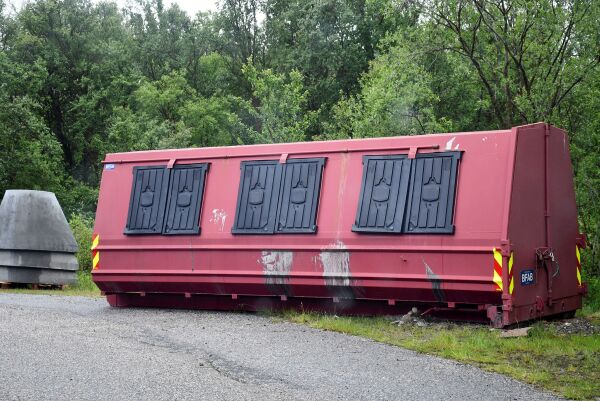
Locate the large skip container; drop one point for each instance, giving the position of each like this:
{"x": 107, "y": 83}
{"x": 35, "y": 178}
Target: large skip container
{"x": 481, "y": 225}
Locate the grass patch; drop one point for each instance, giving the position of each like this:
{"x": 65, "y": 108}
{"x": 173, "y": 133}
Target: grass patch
{"x": 84, "y": 287}
{"x": 566, "y": 364}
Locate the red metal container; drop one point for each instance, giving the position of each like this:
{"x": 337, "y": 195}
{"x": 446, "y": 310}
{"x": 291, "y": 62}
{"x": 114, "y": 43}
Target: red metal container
{"x": 480, "y": 225}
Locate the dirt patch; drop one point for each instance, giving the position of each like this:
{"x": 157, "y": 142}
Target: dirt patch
{"x": 415, "y": 318}
{"x": 412, "y": 318}
{"x": 574, "y": 326}
{"x": 577, "y": 325}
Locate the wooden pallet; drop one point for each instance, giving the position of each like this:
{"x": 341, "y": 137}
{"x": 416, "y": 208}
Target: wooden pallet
{"x": 32, "y": 286}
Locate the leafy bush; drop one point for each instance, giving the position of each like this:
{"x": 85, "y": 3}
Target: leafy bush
{"x": 83, "y": 227}
{"x": 85, "y": 285}
{"x": 592, "y": 301}
{"x": 77, "y": 198}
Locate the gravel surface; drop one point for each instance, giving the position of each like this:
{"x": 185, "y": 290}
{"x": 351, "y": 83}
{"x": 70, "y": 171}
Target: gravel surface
{"x": 72, "y": 348}
{"x": 575, "y": 326}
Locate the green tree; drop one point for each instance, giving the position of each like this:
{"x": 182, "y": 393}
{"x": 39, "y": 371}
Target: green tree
{"x": 84, "y": 49}
{"x": 528, "y": 56}
{"x": 280, "y": 110}
{"x": 168, "y": 113}
{"x": 396, "y": 98}
{"x": 31, "y": 156}
{"x": 160, "y": 37}
{"x": 242, "y": 33}
{"x": 213, "y": 121}
{"x": 330, "y": 43}
{"x": 215, "y": 71}
{"x": 580, "y": 116}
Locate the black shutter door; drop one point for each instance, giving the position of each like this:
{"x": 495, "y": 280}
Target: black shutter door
{"x": 383, "y": 194}
{"x": 258, "y": 196}
{"x": 301, "y": 184}
{"x": 431, "y": 195}
{"x": 147, "y": 201}
{"x": 184, "y": 204}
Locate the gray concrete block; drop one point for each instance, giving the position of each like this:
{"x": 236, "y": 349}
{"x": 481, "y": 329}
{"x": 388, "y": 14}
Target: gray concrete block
{"x": 36, "y": 242}
{"x": 34, "y": 220}
{"x": 27, "y": 275}
{"x": 39, "y": 259}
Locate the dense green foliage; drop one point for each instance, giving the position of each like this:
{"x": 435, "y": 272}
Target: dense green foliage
{"x": 80, "y": 79}
{"x": 82, "y": 228}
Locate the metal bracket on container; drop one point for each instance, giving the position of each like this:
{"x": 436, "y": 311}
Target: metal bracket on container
{"x": 581, "y": 241}
{"x": 546, "y": 260}
{"x": 171, "y": 163}
{"x": 495, "y": 316}
{"x": 507, "y": 304}
{"x": 412, "y": 152}
{"x": 505, "y": 248}
{"x": 283, "y": 158}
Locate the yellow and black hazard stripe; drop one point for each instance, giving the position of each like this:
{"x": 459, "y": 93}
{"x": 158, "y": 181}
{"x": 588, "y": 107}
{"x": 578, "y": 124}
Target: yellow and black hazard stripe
{"x": 511, "y": 280}
{"x": 578, "y": 265}
{"x": 498, "y": 272}
{"x": 95, "y": 252}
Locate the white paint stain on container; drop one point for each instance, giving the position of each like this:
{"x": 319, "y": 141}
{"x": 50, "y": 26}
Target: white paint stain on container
{"x": 450, "y": 143}
{"x": 276, "y": 266}
{"x": 336, "y": 264}
{"x": 218, "y": 218}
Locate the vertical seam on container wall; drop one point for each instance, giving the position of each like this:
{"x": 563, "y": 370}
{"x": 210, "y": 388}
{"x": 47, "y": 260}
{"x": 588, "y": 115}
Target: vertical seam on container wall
{"x": 512, "y": 157}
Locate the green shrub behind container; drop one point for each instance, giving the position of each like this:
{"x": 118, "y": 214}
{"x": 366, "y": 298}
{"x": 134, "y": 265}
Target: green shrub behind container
{"x": 83, "y": 227}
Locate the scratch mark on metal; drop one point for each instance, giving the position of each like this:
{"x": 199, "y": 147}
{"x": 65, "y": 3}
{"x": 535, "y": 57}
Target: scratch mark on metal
{"x": 449, "y": 143}
{"x": 436, "y": 283}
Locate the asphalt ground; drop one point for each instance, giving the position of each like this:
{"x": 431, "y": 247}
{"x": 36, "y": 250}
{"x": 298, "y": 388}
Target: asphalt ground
{"x": 75, "y": 348}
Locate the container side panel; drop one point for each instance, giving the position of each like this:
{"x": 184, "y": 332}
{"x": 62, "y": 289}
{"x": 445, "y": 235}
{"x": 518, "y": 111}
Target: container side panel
{"x": 480, "y": 190}
{"x": 334, "y": 262}
{"x": 414, "y": 276}
{"x": 543, "y": 215}
{"x": 526, "y": 228}
{"x": 563, "y": 229}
